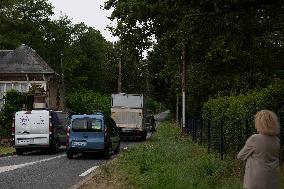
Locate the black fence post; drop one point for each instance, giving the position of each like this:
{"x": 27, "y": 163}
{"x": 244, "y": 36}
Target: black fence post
{"x": 209, "y": 135}
{"x": 194, "y": 129}
{"x": 191, "y": 128}
{"x": 201, "y": 130}
{"x": 222, "y": 139}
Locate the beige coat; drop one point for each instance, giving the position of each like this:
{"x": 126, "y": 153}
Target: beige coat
{"x": 261, "y": 153}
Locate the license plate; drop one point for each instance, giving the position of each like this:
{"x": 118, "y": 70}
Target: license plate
{"x": 26, "y": 141}
{"x": 79, "y": 143}
{"x": 126, "y": 129}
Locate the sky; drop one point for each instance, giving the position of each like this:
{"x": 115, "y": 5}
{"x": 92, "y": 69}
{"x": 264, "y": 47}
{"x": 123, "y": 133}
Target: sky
{"x": 87, "y": 11}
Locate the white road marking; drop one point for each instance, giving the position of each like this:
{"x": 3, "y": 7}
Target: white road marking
{"x": 13, "y": 167}
{"x": 6, "y": 157}
{"x": 88, "y": 171}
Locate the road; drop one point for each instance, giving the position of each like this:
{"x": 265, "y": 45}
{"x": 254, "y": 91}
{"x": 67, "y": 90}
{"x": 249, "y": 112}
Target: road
{"x": 43, "y": 171}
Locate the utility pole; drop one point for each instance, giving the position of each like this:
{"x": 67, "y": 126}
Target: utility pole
{"x": 119, "y": 76}
{"x": 62, "y": 79}
{"x": 183, "y": 87}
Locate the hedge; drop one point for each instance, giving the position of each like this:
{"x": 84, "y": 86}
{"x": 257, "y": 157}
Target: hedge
{"x": 234, "y": 110}
{"x": 88, "y": 102}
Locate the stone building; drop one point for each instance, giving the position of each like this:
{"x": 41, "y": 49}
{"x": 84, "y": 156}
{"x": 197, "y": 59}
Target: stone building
{"x": 24, "y": 70}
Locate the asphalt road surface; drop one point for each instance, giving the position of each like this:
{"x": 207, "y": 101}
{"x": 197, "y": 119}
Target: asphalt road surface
{"x": 43, "y": 171}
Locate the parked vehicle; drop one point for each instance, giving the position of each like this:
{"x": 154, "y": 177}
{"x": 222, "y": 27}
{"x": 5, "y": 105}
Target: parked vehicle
{"x": 151, "y": 123}
{"x": 92, "y": 133}
{"x": 39, "y": 129}
{"x": 129, "y": 113}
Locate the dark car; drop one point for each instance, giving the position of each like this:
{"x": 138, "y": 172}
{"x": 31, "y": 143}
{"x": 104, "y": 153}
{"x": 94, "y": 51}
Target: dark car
{"x": 92, "y": 133}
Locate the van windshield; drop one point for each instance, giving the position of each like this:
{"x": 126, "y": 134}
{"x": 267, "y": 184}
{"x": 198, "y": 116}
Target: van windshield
{"x": 87, "y": 125}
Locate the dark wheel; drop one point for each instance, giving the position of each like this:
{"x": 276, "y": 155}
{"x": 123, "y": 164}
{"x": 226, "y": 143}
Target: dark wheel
{"x": 55, "y": 148}
{"x": 69, "y": 155}
{"x": 108, "y": 152}
{"x": 19, "y": 152}
{"x": 118, "y": 149}
{"x": 143, "y": 136}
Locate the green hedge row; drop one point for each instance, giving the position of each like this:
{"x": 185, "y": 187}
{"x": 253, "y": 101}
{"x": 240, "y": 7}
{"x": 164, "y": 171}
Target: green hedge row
{"x": 88, "y": 102}
{"x": 14, "y": 101}
{"x": 233, "y": 110}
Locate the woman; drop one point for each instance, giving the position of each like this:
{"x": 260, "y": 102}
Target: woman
{"x": 261, "y": 153}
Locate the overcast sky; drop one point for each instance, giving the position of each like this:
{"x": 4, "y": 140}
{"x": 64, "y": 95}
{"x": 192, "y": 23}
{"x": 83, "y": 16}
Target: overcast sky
{"x": 87, "y": 11}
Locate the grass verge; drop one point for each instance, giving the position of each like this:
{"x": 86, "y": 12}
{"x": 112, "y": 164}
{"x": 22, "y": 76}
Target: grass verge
{"x": 167, "y": 161}
{"x": 6, "y": 150}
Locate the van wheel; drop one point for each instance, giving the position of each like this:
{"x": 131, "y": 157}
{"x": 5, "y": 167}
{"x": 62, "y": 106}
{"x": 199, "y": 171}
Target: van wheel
{"x": 117, "y": 150}
{"x": 69, "y": 155}
{"x": 55, "y": 148}
{"x": 107, "y": 152}
{"x": 19, "y": 152}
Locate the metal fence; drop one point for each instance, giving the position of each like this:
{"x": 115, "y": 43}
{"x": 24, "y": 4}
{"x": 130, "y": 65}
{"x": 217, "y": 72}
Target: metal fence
{"x": 220, "y": 137}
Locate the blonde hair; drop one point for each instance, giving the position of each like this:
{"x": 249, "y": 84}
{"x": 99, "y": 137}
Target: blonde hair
{"x": 266, "y": 122}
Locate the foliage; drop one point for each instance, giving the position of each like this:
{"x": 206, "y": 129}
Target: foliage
{"x": 88, "y": 102}
{"x": 153, "y": 105}
{"x": 231, "y": 46}
{"x": 169, "y": 161}
{"x": 14, "y": 101}
{"x": 6, "y": 150}
{"x": 233, "y": 110}
{"x": 88, "y": 60}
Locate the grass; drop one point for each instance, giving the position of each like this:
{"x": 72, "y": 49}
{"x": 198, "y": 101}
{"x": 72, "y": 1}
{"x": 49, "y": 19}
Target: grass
{"x": 167, "y": 161}
{"x": 6, "y": 150}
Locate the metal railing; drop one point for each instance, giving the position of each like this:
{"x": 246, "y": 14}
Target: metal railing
{"x": 219, "y": 136}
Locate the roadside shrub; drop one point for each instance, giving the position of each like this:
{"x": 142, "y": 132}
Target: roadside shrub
{"x": 88, "y": 102}
{"x": 14, "y": 101}
{"x": 234, "y": 110}
{"x": 155, "y": 106}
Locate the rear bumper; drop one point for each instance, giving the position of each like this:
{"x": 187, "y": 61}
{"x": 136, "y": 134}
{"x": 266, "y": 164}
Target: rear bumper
{"x": 132, "y": 133}
{"x": 90, "y": 147}
{"x": 75, "y": 150}
{"x": 32, "y": 146}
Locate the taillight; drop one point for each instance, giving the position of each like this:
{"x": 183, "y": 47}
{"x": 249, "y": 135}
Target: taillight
{"x": 67, "y": 134}
{"x": 50, "y": 128}
{"x": 106, "y": 130}
{"x": 13, "y": 131}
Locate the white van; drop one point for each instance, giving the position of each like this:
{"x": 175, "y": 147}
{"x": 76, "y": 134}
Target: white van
{"x": 39, "y": 129}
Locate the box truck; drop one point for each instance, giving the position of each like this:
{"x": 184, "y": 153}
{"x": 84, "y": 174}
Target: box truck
{"x": 129, "y": 112}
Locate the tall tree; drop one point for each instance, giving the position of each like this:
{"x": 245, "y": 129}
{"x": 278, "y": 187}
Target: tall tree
{"x": 232, "y": 46}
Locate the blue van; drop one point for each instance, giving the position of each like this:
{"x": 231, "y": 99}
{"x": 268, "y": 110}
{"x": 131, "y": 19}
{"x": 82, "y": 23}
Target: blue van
{"x": 92, "y": 133}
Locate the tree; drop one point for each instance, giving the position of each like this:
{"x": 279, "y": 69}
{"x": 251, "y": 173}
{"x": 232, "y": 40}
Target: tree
{"x": 232, "y": 46}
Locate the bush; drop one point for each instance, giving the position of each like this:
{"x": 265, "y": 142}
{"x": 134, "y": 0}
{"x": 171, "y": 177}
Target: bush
{"x": 167, "y": 160}
{"x": 14, "y": 101}
{"x": 88, "y": 102}
{"x": 155, "y": 106}
{"x": 233, "y": 110}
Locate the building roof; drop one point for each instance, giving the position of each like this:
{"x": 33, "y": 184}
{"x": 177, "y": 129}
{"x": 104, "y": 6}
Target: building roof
{"x": 23, "y": 60}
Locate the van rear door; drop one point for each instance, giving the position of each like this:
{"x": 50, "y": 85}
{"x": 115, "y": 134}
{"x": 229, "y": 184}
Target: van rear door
{"x": 87, "y": 133}
{"x": 60, "y": 122}
{"x": 32, "y": 128}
